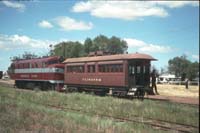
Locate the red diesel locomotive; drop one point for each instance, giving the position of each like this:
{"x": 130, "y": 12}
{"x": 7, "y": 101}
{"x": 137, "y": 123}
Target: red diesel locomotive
{"x": 41, "y": 73}
{"x": 121, "y": 75}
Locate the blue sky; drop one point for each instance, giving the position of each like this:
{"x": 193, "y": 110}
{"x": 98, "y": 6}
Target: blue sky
{"x": 163, "y": 29}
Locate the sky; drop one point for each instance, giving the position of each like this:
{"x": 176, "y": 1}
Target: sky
{"x": 162, "y": 29}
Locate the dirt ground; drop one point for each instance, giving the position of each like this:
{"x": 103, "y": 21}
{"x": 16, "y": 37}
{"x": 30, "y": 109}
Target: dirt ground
{"x": 7, "y": 82}
{"x": 177, "y": 93}
{"x": 174, "y": 93}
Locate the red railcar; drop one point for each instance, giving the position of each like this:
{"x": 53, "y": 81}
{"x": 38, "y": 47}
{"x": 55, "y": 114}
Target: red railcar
{"x": 122, "y": 74}
{"x": 41, "y": 73}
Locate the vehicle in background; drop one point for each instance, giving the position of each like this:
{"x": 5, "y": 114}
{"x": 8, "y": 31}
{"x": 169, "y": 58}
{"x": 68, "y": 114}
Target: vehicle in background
{"x": 5, "y": 76}
{"x": 167, "y": 78}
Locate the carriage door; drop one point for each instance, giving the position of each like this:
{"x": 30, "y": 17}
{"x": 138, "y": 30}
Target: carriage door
{"x": 136, "y": 76}
{"x": 131, "y": 74}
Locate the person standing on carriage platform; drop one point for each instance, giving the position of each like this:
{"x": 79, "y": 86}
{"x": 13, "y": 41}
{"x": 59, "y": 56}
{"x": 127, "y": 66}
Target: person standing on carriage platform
{"x": 153, "y": 81}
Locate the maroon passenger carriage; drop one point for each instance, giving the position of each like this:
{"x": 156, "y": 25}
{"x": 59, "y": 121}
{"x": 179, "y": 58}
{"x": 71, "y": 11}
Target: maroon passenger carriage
{"x": 41, "y": 73}
{"x": 120, "y": 75}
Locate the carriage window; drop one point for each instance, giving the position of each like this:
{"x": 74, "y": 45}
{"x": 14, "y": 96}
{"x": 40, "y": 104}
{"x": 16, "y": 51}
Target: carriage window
{"x": 26, "y": 65}
{"x": 30, "y": 65}
{"x": 75, "y": 69}
{"x": 138, "y": 69}
{"x": 33, "y": 65}
{"x": 21, "y": 65}
{"x": 131, "y": 70}
{"x": 102, "y": 68}
{"x": 111, "y": 68}
{"x": 36, "y": 65}
{"x": 91, "y": 68}
{"x": 43, "y": 64}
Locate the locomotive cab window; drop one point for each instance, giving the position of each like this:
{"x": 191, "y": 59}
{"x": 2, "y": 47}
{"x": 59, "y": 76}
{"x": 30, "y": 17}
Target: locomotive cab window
{"x": 52, "y": 62}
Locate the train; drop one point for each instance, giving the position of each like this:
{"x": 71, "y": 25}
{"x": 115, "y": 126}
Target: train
{"x": 118, "y": 75}
{"x": 45, "y": 73}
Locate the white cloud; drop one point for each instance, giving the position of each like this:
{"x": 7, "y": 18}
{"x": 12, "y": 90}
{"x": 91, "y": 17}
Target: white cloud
{"x": 15, "y": 5}
{"x": 134, "y": 42}
{"x": 142, "y": 46}
{"x": 129, "y": 10}
{"x": 67, "y": 23}
{"x": 11, "y": 42}
{"x": 177, "y": 4}
{"x": 155, "y": 48}
{"x": 195, "y": 57}
{"x": 45, "y": 24}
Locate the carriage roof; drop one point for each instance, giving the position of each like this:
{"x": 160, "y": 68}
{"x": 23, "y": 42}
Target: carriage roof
{"x": 110, "y": 58}
{"x": 43, "y": 59}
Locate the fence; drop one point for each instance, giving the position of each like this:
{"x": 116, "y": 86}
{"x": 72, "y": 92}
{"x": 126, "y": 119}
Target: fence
{"x": 183, "y": 82}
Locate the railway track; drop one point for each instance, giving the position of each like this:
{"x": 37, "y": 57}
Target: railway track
{"x": 154, "y": 123}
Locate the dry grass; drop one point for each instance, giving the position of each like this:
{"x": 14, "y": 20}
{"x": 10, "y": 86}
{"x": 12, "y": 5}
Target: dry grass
{"x": 178, "y": 90}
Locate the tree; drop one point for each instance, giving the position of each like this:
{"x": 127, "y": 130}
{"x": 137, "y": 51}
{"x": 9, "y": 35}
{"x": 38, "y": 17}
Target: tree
{"x": 113, "y": 45}
{"x": 77, "y": 50}
{"x": 117, "y": 46}
{"x": 193, "y": 70}
{"x": 69, "y": 49}
{"x": 100, "y": 43}
{"x": 182, "y": 67}
{"x": 88, "y": 46}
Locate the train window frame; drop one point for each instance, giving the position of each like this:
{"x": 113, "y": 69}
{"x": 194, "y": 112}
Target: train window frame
{"x": 43, "y": 64}
{"x": 110, "y": 68}
{"x": 138, "y": 69}
{"x": 76, "y": 69}
{"x": 131, "y": 70}
{"x": 30, "y": 65}
{"x": 91, "y": 69}
{"x": 36, "y": 65}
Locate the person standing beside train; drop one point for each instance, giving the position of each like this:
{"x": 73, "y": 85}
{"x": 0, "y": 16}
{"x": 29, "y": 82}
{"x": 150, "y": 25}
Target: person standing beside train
{"x": 153, "y": 81}
{"x": 186, "y": 83}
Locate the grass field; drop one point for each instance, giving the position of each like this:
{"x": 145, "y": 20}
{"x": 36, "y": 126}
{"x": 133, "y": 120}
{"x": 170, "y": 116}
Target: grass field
{"x": 22, "y": 110}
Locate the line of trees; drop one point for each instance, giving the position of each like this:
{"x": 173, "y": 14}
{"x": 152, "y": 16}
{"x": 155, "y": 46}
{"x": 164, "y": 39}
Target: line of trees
{"x": 113, "y": 45}
{"x": 184, "y": 68}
